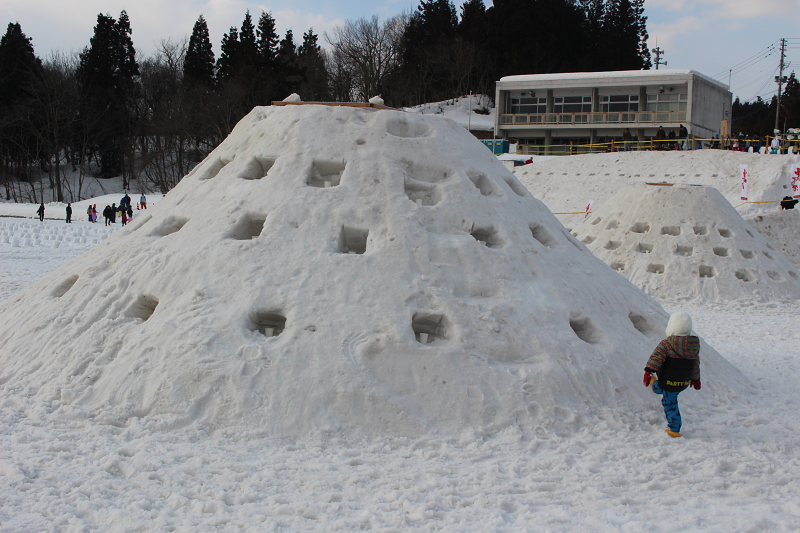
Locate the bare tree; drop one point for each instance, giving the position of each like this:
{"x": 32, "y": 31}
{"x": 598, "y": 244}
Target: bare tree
{"x": 366, "y": 51}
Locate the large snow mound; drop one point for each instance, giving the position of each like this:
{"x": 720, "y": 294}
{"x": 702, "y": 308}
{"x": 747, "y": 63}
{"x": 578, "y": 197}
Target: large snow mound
{"x": 686, "y": 242}
{"x": 782, "y": 229}
{"x": 289, "y": 282}
{"x": 566, "y": 183}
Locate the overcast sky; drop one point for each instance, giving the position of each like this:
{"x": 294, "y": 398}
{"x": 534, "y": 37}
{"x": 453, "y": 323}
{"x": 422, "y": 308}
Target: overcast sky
{"x": 710, "y": 36}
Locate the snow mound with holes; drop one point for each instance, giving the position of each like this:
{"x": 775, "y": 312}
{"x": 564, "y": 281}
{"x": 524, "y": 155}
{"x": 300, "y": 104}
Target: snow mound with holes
{"x": 782, "y": 230}
{"x": 340, "y": 269}
{"x": 687, "y": 242}
{"x": 565, "y": 184}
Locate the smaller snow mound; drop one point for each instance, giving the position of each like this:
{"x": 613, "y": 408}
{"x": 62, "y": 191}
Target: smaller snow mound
{"x": 782, "y": 229}
{"x": 687, "y": 242}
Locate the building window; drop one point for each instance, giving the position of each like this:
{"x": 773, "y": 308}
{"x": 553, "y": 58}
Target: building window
{"x": 619, "y": 103}
{"x": 667, "y": 102}
{"x": 561, "y": 104}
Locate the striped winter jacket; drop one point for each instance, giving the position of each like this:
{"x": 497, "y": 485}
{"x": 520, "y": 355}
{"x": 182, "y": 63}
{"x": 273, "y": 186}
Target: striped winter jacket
{"x": 676, "y": 359}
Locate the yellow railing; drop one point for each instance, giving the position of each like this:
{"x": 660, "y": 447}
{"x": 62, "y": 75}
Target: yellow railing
{"x": 615, "y": 145}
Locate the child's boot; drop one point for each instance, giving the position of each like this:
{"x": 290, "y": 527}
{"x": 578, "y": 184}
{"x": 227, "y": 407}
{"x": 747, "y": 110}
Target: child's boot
{"x": 673, "y": 434}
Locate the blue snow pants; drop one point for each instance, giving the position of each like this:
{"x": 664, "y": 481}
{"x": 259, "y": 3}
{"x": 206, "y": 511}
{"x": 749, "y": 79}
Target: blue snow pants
{"x": 670, "y": 402}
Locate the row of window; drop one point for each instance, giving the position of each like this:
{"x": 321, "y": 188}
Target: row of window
{"x": 617, "y": 103}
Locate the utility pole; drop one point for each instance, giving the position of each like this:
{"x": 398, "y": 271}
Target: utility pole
{"x": 659, "y": 52}
{"x": 780, "y": 79}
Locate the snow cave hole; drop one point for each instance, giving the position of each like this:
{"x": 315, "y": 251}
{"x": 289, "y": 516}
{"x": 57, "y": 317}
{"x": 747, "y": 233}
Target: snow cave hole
{"x": 641, "y": 227}
{"x": 720, "y": 251}
{"x": 747, "y": 254}
{"x": 700, "y": 230}
{"x": 66, "y": 284}
{"x": 655, "y": 268}
{"x": 516, "y": 186}
{"x": 402, "y": 127}
{"x": 612, "y": 225}
{"x": 268, "y": 323}
{"x": 794, "y": 274}
{"x": 214, "y": 168}
{"x": 644, "y": 248}
{"x": 483, "y": 184}
{"x": 143, "y": 307}
{"x": 612, "y": 245}
{"x": 770, "y": 247}
{"x": 619, "y": 266}
{"x": 725, "y": 233}
{"x": 776, "y": 276}
{"x": 588, "y": 239}
{"x": 543, "y": 235}
{"x": 671, "y": 230}
{"x": 745, "y": 275}
{"x": 749, "y": 232}
{"x": 326, "y": 174}
{"x": 430, "y": 327}
{"x": 585, "y": 329}
{"x": 169, "y": 225}
{"x": 707, "y": 271}
{"x": 248, "y": 227}
{"x": 257, "y": 168}
{"x": 422, "y": 193}
{"x": 685, "y": 251}
{"x": 596, "y": 221}
{"x": 353, "y": 240}
{"x": 644, "y": 326}
{"x": 488, "y": 236}
{"x": 766, "y": 254}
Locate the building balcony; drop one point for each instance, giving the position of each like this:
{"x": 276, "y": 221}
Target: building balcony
{"x": 558, "y": 119}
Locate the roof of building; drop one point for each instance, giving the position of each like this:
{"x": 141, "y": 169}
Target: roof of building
{"x": 567, "y": 76}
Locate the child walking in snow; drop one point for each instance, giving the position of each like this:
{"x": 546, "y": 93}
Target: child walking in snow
{"x": 676, "y": 362}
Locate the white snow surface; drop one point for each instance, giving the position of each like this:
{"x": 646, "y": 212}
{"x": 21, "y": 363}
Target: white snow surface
{"x": 65, "y": 468}
{"x": 461, "y": 110}
{"x": 782, "y": 229}
{"x": 565, "y": 184}
{"x": 685, "y": 242}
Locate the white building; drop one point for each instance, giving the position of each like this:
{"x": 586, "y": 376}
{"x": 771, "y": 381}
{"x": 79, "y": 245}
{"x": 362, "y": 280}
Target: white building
{"x": 569, "y": 111}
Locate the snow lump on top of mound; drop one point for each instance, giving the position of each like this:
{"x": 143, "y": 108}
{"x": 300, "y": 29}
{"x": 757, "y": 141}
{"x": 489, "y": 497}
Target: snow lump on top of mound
{"x": 687, "y": 242}
{"x": 338, "y": 268}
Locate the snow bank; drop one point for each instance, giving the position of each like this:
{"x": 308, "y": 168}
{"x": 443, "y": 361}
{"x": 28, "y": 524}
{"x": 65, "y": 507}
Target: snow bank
{"x": 458, "y": 109}
{"x": 333, "y": 268}
{"x": 687, "y": 242}
{"x": 782, "y": 229}
{"x": 566, "y": 183}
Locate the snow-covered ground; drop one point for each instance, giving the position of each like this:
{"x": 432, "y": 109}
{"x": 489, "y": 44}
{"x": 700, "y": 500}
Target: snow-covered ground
{"x": 65, "y": 467}
{"x": 462, "y": 110}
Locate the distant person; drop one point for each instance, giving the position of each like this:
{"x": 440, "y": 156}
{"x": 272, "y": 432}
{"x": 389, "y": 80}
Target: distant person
{"x": 40, "y": 211}
{"x": 661, "y": 135}
{"x": 113, "y": 216}
{"x": 143, "y": 201}
{"x": 107, "y": 214}
{"x": 89, "y": 212}
{"x": 676, "y": 363}
{"x": 788, "y": 202}
{"x": 683, "y": 134}
{"x": 775, "y": 145}
{"x": 69, "y": 213}
{"x": 94, "y": 213}
{"x": 627, "y": 138}
{"x": 130, "y": 212}
{"x": 672, "y": 137}
{"x": 124, "y": 216}
{"x": 127, "y": 199}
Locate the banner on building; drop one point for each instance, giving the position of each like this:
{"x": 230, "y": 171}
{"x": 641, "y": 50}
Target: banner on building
{"x": 743, "y": 175}
{"x": 795, "y": 181}
{"x": 588, "y": 208}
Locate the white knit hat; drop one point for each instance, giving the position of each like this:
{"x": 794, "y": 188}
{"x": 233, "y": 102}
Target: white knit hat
{"x": 680, "y": 324}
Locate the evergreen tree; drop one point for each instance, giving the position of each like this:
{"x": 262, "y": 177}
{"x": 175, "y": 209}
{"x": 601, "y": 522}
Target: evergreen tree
{"x": 288, "y": 67}
{"x": 314, "y": 86}
{"x": 596, "y": 36}
{"x": 625, "y": 28}
{"x": 790, "y": 103}
{"x": 248, "y": 50}
{"x": 107, "y": 76}
{"x": 267, "y": 43}
{"x": 229, "y": 61}
{"x": 19, "y": 66}
{"x": 198, "y": 65}
{"x": 473, "y": 23}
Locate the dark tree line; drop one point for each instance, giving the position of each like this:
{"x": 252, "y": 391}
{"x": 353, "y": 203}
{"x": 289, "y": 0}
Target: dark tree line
{"x": 758, "y": 117}
{"x": 110, "y": 112}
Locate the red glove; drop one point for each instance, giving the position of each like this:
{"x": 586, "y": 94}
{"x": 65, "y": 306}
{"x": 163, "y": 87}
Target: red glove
{"x": 646, "y": 378}
{"x": 696, "y": 385}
